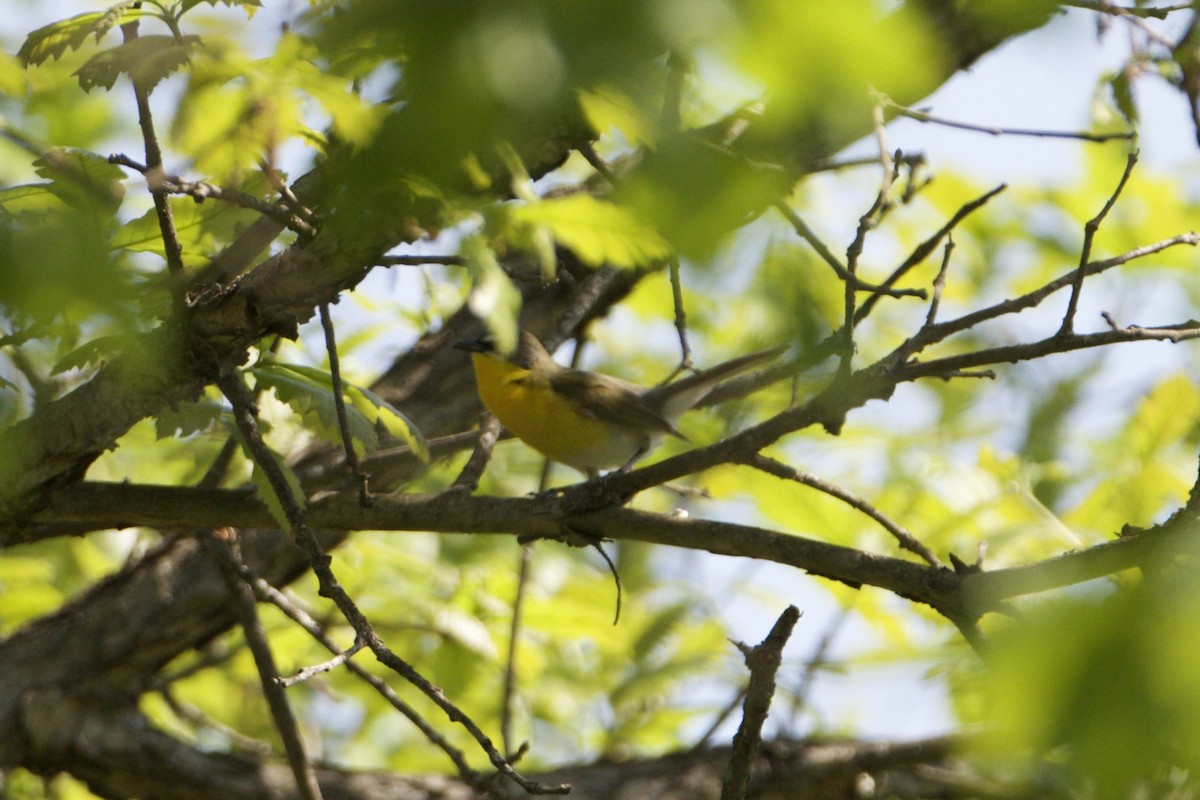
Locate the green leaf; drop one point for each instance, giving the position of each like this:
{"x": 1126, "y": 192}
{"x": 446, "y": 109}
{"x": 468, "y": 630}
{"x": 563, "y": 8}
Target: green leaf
{"x": 186, "y": 419}
{"x": 266, "y": 492}
{"x": 249, "y": 6}
{"x": 608, "y": 110}
{"x": 30, "y": 198}
{"x": 51, "y": 41}
{"x": 96, "y": 352}
{"x": 83, "y": 179}
{"x": 493, "y": 297}
{"x": 392, "y": 419}
{"x": 354, "y": 120}
{"x": 1164, "y": 418}
{"x": 1122, "y": 92}
{"x": 13, "y": 80}
{"x": 371, "y": 406}
{"x": 202, "y": 228}
{"x": 599, "y": 232}
{"x": 309, "y": 393}
{"x": 146, "y": 60}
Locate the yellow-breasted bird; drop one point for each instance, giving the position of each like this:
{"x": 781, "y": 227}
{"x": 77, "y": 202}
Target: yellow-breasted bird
{"x": 584, "y": 419}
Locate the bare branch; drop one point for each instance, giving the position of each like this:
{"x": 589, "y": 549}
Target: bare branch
{"x": 1152, "y": 12}
{"x": 203, "y": 190}
{"x": 472, "y": 471}
{"x": 235, "y": 391}
{"x": 939, "y": 282}
{"x": 339, "y": 404}
{"x": 685, "y": 349}
{"x": 781, "y": 470}
{"x": 223, "y": 546}
{"x": 922, "y": 251}
{"x": 325, "y": 666}
{"x": 418, "y": 260}
{"x": 943, "y": 330}
{"x": 809, "y": 235}
{"x": 269, "y": 594}
{"x": 1085, "y": 253}
{"x": 763, "y": 661}
{"x": 922, "y": 116}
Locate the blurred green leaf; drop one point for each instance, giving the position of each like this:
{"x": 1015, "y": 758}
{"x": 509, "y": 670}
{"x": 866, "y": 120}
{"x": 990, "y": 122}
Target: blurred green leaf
{"x": 249, "y": 6}
{"x": 201, "y": 228}
{"x": 83, "y": 180}
{"x": 51, "y": 41}
{"x": 13, "y": 80}
{"x": 186, "y": 419}
{"x": 310, "y": 391}
{"x": 598, "y": 232}
{"x": 1102, "y": 685}
{"x": 57, "y": 265}
{"x": 33, "y": 198}
{"x": 393, "y": 420}
{"x": 146, "y": 60}
{"x": 307, "y": 390}
{"x": 493, "y": 298}
{"x": 94, "y": 352}
{"x": 266, "y": 493}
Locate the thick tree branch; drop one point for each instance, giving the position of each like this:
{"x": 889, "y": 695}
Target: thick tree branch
{"x": 119, "y": 754}
{"x": 117, "y": 505}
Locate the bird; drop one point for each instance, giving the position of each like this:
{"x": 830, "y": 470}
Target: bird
{"x": 587, "y": 420}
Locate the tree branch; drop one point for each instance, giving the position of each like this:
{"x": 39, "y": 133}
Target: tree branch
{"x": 763, "y": 660}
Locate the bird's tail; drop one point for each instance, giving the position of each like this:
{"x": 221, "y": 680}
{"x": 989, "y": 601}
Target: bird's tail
{"x": 678, "y": 396}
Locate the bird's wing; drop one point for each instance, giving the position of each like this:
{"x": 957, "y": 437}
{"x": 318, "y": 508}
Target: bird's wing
{"x": 611, "y": 400}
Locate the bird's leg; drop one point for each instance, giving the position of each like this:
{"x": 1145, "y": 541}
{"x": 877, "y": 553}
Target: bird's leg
{"x": 636, "y": 457}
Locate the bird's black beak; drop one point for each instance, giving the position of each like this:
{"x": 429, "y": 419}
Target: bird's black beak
{"x": 483, "y": 344}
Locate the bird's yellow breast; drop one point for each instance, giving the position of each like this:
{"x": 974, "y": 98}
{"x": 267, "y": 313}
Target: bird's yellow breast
{"x": 540, "y": 417}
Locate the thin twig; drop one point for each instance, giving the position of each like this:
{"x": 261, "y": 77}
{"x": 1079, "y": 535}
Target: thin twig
{"x": 1159, "y": 12}
{"x": 1171, "y": 333}
{"x": 223, "y": 545}
{"x": 787, "y": 473}
{"x": 939, "y": 282}
{"x": 685, "y": 349}
{"x": 269, "y": 594}
{"x": 339, "y": 404}
{"x": 890, "y": 168}
{"x": 328, "y": 665}
{"x": 809, "y": 235}
{"x": 203, "y": 190}
{"x": 599, "y": 164}
{"x": 418, "y": 261}
{"x": 172, "y": 248}
{"x": 763, "y": 660}
{"x": 243, "y": 412}
{"x": 301, "y": 214}
{"x": 510, "y": 661}
{"x": 938, "y": 367}
{"x": 612, "y": 568}
{"x": 238, "y": 741}
{"x": 1085, "y": 253}
{"x": 832, "y": 165}
{"x": 485, "y": 441}
{"x": 850, "y": 298}
{"x": 922, "y": 251}
{"x": 1033, "y": 298}
{"x": 922, "y": 116}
